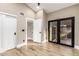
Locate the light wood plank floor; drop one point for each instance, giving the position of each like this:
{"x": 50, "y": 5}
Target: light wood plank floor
{"x": 45, "y": 49}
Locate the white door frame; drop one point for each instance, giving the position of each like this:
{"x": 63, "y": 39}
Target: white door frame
{"x": 8, "y": 14}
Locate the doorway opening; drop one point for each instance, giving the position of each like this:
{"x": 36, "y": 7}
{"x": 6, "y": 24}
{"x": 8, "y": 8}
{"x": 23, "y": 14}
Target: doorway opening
{"x": 29, "y": 30}
{"x": 34, "y": 31}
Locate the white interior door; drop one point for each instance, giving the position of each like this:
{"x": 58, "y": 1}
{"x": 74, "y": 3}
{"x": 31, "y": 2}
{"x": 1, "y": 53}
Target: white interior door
{"x": 9, "y": 28}
{"x": 37, "y": 25}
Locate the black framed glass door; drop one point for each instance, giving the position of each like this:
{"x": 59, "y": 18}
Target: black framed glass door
{"x": 53, "y": 31}
{"x": 66, "y": 32}
{"x": 61, "y": 31}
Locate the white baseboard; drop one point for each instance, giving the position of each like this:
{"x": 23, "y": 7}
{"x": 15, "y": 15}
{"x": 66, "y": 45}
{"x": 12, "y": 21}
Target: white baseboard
{"x": 76, "y": 47}
{"x": 20, "y": 45}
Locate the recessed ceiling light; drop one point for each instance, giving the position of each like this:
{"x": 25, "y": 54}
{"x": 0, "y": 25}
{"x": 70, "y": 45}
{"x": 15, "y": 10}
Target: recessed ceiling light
{"x": 38, "y": 7}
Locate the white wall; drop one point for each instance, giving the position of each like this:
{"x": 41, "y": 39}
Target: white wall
{"x": 45, "y": 26}
{"x": 68, "y": 12}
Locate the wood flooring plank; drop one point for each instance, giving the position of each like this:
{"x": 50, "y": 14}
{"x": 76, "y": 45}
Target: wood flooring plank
{"x": 44, "y": 49}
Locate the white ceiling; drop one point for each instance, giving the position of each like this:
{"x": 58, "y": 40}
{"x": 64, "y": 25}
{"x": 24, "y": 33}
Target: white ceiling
{"x": 50, "y": 7}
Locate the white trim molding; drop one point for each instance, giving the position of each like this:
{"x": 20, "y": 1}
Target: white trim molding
{"x": 8, "y": 14}
{"x": 20, "y": 45}
{"x": 76, "y": 47}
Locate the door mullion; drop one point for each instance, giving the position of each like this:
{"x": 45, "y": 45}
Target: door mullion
{"x": 58, "y": 31}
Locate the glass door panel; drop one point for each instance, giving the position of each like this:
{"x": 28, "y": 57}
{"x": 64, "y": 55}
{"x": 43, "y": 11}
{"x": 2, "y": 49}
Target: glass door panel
{"x": 66, "y": 32}
{"x": 53, "y": 31}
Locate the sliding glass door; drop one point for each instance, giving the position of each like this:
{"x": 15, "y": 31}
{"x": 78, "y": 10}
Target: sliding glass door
{"x": 66, "y": 32}
{"x": 61, "y": 31}
{"x": 53, "y": 31}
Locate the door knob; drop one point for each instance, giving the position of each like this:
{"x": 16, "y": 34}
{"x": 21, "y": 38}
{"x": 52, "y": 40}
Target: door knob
{"x": 14, "y": 33}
